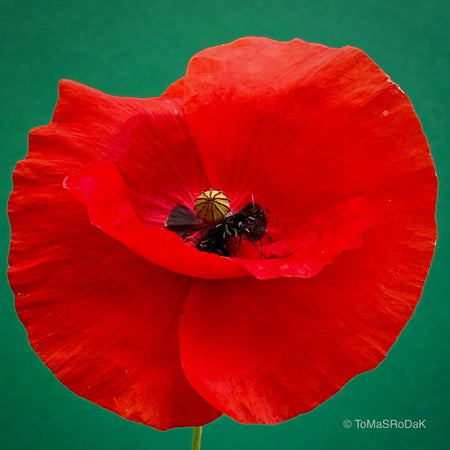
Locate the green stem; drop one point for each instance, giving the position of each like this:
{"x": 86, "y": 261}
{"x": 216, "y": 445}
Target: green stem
{"x": 197, "y": 438}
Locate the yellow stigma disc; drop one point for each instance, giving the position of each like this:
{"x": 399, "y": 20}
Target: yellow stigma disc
{"x": 212, "y": 206}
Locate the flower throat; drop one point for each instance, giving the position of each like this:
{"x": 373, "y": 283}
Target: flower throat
{"x": 214, "y": 228}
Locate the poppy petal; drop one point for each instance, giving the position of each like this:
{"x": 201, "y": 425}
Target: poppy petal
{"x": 310, "y": 245}
{"x": 305, "y": 130}
{"x": 264, "y": 106}
{"x": 266, "y": 351}
{"x": 147, "y": 139}
{"x": 101, "y": 188}
{"x": 104, "y": 320}
{"x": 175, "y": 91}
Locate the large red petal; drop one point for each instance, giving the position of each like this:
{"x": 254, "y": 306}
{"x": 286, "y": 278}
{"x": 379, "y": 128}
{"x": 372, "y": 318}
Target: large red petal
{"x": 101, "y": 188}
{"x": 266, "y": 351}
{"x": 304, "y": 129}
{"x": 311, "y": 244}
{"x": 103, "y": 319}
{"x": 147, "y": 139}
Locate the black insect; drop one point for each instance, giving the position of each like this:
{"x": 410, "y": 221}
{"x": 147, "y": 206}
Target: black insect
{"x": 249, "y": 222}
{"x": 224, "y": 238}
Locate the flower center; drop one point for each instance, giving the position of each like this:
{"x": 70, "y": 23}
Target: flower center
{"x": 214, "y": 228}
{"x": 212, "y": 206}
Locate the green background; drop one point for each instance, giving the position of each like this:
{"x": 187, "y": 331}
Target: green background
{"x": 136, "y": 48}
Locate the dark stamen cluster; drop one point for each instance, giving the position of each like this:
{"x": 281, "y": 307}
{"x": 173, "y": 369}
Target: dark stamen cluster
{"x": 249, "y": 222}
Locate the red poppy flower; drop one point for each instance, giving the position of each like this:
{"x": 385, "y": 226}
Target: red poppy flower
{"x": 262, "y": 327}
